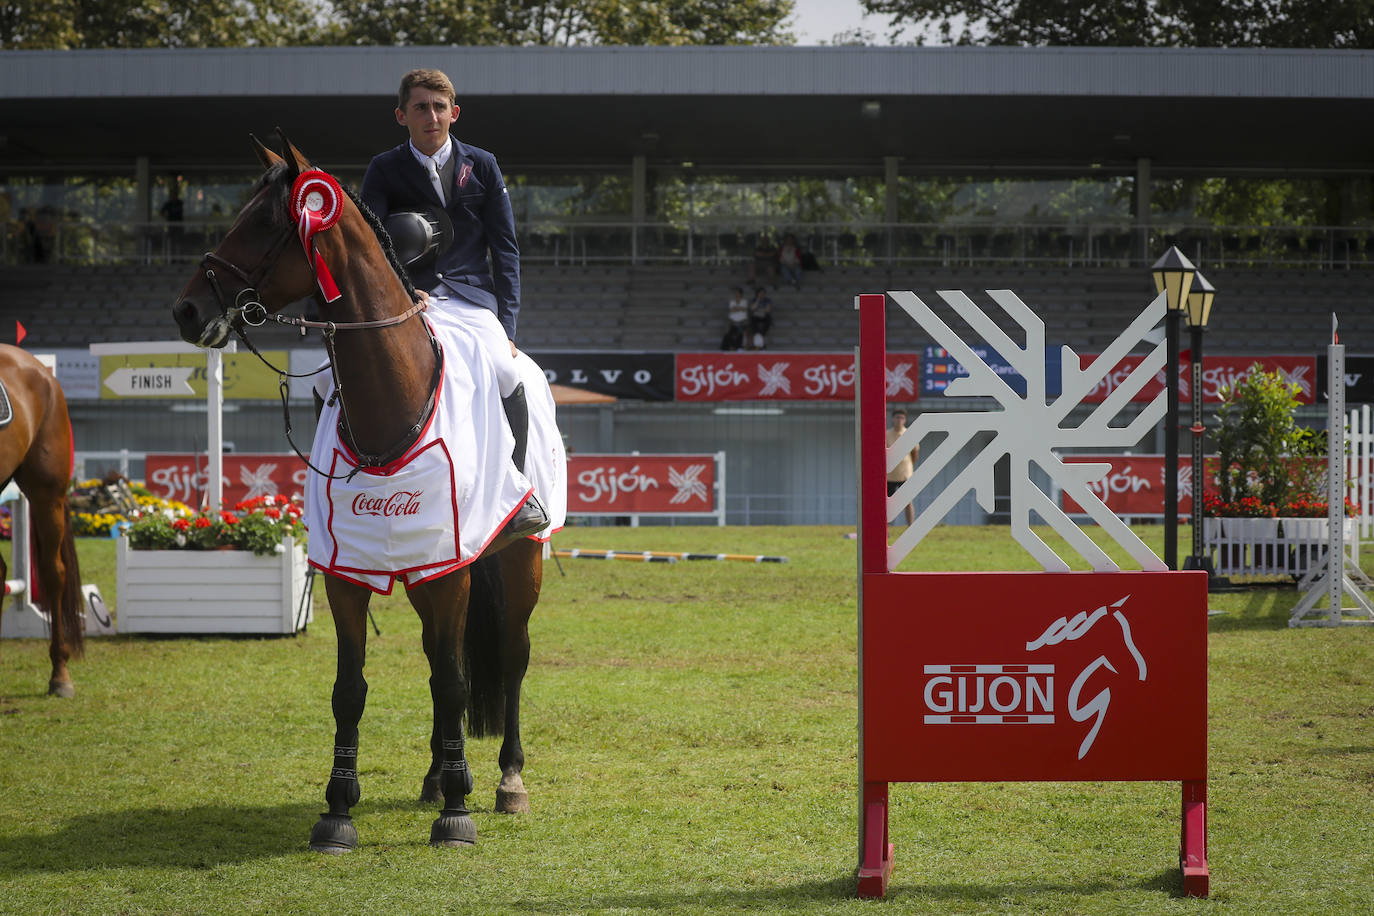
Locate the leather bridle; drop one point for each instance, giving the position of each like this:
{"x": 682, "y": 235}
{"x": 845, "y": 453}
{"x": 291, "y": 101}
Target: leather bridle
{"x": 247, "y": 309}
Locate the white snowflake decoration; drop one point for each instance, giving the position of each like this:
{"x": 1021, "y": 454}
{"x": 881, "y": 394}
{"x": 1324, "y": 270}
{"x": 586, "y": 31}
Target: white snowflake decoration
{"x": 774, "y": 379}
{"x": 688, "y": 483}
{"x": 1027, "y": 429}
{"x": 259, "y": 480}
{"x": 899, "y": 380}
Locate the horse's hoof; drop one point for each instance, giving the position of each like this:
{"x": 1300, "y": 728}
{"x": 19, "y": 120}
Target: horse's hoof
{"x": 511, "y": 797}
{"x": 64, "y": 689}
{"x": 453, "y": 827}
{"x": 334, "y": 835}
{"x": 430, "y": 793}
{"x": 508, "y": 802}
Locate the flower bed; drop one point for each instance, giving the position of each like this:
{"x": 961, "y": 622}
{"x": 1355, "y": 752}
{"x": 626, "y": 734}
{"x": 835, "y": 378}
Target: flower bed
{"x": 257, "y": 525}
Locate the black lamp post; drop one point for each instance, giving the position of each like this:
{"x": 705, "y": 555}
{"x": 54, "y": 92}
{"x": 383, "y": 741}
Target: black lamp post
{"x": 1199, "y": 310}
{"x": 1173, "y": 275}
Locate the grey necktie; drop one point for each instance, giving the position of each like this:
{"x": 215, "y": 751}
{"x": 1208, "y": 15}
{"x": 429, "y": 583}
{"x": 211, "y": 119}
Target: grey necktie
{"x": 435, "y": 180}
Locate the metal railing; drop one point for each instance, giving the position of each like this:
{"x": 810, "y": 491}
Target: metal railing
{"x": 585, "y": 243}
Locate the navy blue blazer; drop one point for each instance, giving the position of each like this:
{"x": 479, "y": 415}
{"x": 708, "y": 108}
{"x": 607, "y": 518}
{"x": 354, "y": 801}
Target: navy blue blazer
{"x": 482, "y": 219}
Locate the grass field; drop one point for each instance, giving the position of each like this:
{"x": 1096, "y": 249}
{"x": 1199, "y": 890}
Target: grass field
{"x": 692, "y": 748}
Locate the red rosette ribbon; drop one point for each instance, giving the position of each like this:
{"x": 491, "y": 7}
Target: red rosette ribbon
{"x": 316, "y": 204}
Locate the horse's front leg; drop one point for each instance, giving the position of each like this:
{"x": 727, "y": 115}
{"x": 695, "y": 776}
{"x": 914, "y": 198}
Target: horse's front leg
{"x": 442, "y": 606}
{"x": 334, "y": 832}
{"x": 522, "y": 570}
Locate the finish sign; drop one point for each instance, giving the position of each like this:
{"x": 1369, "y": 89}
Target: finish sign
{"x": 151, "y": 382}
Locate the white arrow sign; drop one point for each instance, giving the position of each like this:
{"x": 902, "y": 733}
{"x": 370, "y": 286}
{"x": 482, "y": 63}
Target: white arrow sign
{"x": 151, "y": 382}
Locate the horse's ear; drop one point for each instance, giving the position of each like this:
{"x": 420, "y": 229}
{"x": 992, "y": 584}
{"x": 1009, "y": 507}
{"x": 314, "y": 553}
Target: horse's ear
{"x": 295, "y": 160}
{"x": 267, "y": 157}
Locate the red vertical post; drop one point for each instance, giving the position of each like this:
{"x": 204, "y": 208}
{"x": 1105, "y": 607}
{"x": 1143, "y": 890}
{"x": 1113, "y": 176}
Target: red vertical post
{"x": 872, "y": 432}
{"x": 1192, "y": 854}
{"x": 875, "y": 850}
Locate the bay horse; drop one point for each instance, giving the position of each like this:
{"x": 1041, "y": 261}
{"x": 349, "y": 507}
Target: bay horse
{"x": 36, "y": 453}
{"x": 474, "y": 620}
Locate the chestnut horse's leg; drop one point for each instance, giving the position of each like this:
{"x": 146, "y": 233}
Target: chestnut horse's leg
{"x": 334, "y": 832}
{"x": 49, "y": 512}
{"x": 442, "y": 605}
{"x": 522, "y": 571}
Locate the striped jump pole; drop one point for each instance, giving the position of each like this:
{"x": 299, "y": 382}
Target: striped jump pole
{"x": 662, "y": 556}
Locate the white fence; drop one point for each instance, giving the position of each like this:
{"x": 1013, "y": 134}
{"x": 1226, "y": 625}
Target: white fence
{"x": 1269, "y": 546}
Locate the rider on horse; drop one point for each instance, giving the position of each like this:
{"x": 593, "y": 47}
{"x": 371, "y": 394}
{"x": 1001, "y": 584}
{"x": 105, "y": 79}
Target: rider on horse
{"x": 446, "y": 207}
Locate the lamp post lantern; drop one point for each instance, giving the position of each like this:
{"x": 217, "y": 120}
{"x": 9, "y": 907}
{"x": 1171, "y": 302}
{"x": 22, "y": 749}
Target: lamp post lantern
{"x": 1173, "y": 275}
{"x": 1199, "y": 310}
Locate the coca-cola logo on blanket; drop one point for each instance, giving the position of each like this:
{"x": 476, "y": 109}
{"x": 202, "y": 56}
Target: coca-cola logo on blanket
{"x": 390, "y": 505}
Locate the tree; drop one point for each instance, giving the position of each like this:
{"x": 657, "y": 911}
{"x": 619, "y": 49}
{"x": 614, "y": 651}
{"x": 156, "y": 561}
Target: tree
{"x": 563, "y": 22}
{"x": 67, "y": 24}
{"x": 1138, "y": 23}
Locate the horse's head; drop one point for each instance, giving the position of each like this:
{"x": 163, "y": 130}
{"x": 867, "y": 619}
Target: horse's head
{"x": 260, "y": 264}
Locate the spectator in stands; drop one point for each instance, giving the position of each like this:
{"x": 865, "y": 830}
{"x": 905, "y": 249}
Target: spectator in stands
{"x": 173, "y": 210}
{"x": 764, "y": 269}
{"x": 790, "y": 261}
{"x": 737, "y": 313}
{"x": 904, "y": 469}
{"x": 760, "y": 319}
{"x": 472, "y": 275}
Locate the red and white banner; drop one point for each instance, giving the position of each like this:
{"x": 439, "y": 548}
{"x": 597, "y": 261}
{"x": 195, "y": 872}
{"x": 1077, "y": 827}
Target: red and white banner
{"x": 1135, "y": 484}
{"x": 1217, "y": 373}
{"x": 185, "y": 477}
{"x": 642, "y": 484}
{"x": 768, "y": 376}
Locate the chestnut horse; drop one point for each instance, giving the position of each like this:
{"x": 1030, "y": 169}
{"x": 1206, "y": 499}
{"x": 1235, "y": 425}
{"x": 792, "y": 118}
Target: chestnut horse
{"x": 36, "y": 453}
{"x": 474, "y": 620}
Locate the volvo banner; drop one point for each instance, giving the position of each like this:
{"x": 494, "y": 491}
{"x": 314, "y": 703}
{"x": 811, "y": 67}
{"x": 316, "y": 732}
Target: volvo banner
{"x": 646, "y": 376}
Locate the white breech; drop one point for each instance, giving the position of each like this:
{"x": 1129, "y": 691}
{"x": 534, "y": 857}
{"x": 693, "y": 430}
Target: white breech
{"x": 482, "y": 324}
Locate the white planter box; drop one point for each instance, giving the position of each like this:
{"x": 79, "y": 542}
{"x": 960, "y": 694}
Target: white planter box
{"x": 210, "y": 591}
{"x": 1253, "y": 546}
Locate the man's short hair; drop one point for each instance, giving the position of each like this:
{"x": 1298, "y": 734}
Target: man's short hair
{"x": 898, "y": 410}
{"x": 425, "y": 79}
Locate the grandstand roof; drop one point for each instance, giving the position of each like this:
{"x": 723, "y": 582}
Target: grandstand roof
{"x": 956, "y": 109}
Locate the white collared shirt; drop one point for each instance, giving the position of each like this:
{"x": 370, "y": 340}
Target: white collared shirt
{"x": 438, "y": 158}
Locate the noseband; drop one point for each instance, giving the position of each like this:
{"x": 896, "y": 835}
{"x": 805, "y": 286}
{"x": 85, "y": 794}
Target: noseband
{"x": 247, "y": 306}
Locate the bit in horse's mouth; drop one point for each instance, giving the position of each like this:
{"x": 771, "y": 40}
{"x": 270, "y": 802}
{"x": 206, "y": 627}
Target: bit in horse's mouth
{"x": 214, "y": 334}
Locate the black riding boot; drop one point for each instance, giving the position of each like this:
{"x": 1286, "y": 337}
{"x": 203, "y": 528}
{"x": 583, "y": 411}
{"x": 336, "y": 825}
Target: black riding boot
{"x": 531, "y": 519}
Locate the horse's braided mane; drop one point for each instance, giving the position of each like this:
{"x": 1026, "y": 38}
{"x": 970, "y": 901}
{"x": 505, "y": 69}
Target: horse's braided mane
{"x": 383, "y": 239}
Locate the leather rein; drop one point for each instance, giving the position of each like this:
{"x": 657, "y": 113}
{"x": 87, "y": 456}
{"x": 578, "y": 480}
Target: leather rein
{"x": 247, "y": 309}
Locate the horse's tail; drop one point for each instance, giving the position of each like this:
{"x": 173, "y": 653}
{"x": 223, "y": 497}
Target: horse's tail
{"x": 482, "y": 649}
{"x": 71, "y": 604}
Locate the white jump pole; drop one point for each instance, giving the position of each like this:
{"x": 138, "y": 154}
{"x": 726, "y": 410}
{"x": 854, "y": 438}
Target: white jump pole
{"x": 1334, "y": 584}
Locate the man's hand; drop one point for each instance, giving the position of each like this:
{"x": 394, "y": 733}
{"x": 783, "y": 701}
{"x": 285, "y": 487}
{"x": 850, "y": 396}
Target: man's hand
{"x": 513, "y": 352}
{"x": 422, "y": 297}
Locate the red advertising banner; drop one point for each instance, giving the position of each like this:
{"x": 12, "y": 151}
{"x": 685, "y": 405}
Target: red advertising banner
{"x": 1135, "y": 484}
{"x": 769, "y": 376}
{"x": 184, "y": 477}
{"x": 1042, "y": 676}
{"x": 642, "y": 484}
{"x": 1217, "y": 372}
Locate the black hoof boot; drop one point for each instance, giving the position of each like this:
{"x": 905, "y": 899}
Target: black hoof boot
{"x": 334, "y": 835}
{"x": 454, "y": 827}
{"x": 430, "y": 793}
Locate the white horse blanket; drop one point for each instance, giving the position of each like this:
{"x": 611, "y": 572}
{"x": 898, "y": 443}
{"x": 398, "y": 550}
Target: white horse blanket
{"x": 437, "y": 507}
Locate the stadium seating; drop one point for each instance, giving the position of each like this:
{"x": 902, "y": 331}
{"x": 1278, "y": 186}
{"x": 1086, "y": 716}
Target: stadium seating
{"x": 634, "y": 308}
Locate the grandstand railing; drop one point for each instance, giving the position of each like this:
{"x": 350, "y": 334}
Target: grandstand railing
{"x": 587, "y": 243}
